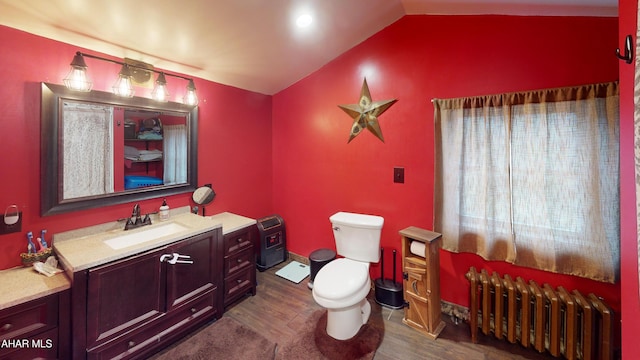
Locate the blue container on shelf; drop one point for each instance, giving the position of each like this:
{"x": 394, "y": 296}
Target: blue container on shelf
{"x": 138, "y": 181}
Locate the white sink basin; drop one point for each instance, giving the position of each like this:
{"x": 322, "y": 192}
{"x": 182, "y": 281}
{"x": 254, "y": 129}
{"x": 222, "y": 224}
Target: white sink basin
{"x": 139, "y": 237}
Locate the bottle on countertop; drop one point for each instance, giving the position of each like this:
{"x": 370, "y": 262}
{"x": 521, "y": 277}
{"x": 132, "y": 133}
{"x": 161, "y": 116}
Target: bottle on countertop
{"x": 164, "y": 211}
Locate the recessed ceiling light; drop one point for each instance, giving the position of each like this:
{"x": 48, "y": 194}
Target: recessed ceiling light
{"x": 304, "y": 20}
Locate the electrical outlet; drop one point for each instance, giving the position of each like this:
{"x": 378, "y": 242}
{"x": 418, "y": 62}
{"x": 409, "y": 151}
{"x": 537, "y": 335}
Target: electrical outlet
{"x": 398, "y": 175}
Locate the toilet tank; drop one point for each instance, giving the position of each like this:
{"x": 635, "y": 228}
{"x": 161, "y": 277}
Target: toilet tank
{"x": 357, "y": 235}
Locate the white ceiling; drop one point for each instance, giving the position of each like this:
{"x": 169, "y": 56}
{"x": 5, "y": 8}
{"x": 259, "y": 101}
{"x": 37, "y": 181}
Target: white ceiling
{"x": 249, "y": 44}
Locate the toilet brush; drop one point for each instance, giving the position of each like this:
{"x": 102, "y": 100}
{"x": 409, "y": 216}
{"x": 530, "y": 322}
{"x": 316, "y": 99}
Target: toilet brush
{"x": 388, "y": 292}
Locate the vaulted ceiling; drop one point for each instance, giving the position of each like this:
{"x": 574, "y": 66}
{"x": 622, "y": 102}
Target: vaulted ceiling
{"x": 250, "y": 44}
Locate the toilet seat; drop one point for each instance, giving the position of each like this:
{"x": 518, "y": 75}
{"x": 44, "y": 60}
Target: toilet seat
{"x": 341, "y": 282}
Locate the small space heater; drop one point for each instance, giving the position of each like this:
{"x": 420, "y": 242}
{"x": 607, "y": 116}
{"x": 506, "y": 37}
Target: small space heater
{"x": 273, "y": 238}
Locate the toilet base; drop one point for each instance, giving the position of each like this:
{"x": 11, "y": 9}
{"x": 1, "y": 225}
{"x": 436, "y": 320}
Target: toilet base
{"x": 343, "y": 324}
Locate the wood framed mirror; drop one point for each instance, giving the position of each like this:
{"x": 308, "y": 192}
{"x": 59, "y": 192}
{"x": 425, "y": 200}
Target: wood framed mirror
{"x": 99, "y": 149}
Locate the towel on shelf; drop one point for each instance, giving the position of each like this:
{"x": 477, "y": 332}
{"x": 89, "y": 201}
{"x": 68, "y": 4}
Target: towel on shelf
{"x": 147, "y": 155}
{"x": 131, "y": 152}
{"x": 149, "y": 135}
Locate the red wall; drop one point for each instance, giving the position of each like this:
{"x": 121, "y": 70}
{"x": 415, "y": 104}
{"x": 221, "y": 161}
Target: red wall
{"x": 289, "y": 154}
{"x": 416, "y": 59}
{"x": 234, "y": 141}
{"x": 628, "y": 10}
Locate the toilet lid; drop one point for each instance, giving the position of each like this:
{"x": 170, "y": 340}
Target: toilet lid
{"x": 340, "y": 278}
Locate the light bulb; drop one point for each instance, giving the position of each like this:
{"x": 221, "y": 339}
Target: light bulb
{"x": 191, "y": 98}
{"x": 77, "y": 78}
{"x": 160, "y": 92}
{"x": 124, "y": 86}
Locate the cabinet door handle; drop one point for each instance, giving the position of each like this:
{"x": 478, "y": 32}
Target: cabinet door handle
{"x": 239, "y": 261}
{"x": 194, "y": 310}
{"x": 131, "y": 344}
{"x": 239, "y": 281}
{"x": 414, "y": 285}
{"x": 176, "y": 258}
{"x": 6, "y": 327}
{"x": 239, "y": 240}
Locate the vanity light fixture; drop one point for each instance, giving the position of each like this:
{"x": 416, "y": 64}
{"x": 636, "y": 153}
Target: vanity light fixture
{"x": 77, "y": 80}
{"x": 190, "y": 98}
{"x": 124, "y": 85}
{"x": 160, "y": 92}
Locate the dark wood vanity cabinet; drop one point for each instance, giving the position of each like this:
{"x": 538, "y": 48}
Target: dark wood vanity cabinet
{"x": 132, "y": 307}
{"x": 239, "y": 264}
{"x": 37, "y": 329}
{"x": 122, "y": 296}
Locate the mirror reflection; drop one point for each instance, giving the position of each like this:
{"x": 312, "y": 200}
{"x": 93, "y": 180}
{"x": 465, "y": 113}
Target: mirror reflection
{"x": 100, "y": 149}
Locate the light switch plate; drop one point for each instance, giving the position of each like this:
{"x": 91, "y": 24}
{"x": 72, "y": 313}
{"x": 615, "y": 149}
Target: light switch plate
{"x": 398, "y": 175}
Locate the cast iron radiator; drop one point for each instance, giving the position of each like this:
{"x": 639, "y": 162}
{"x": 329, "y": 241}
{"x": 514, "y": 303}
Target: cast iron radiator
{"x": 563, "y": 323}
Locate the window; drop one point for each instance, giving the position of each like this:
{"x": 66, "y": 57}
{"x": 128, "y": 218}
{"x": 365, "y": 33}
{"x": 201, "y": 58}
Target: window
{"x": 532, "y": 178}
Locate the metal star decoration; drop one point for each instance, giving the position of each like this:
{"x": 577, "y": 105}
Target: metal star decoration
{"x": 365, "y": 113}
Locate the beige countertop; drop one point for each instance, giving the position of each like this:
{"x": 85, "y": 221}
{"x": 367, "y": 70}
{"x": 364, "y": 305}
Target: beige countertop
{"x": 85, "y": 248}
{"x": 232, "y": 222}
{"x": 23, "y": 284}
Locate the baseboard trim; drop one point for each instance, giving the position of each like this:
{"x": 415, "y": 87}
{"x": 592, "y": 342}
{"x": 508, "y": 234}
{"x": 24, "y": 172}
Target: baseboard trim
{"x": 457, "y": 312}
{"x": 298, "y": 258}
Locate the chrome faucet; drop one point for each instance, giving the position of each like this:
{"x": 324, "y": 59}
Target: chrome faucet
{"x": 136, "y": 212}
{"x": 136, "y": 220}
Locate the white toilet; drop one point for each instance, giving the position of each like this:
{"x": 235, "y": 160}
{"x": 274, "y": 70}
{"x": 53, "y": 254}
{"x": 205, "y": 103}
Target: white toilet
{"x": 341, "y": 286}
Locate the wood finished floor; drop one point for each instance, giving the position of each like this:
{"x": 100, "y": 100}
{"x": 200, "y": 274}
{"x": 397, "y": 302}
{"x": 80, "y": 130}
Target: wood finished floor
{"x": 280, "y": 307}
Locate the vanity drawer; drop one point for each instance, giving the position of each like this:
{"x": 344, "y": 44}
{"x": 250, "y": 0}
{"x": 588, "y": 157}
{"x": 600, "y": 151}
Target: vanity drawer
{"x": 238, "y": 261}
{"x": 41, "y": 346}
{"x": 25, "y": 320}
{"x": 123, "y": 348}
{"x": 144, "y": 340}
{"x": 239, "y": 284}
{"x": 201, "y": 309}
{"x": 237, "y": 241}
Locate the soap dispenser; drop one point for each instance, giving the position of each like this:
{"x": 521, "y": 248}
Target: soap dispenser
{"x": 164, "y": 211}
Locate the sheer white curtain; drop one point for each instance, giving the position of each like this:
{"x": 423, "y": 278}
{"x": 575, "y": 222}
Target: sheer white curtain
{"x": 532, "y": 178}
{"x": 175, "y": 154}
{"x": 87, "y": 153}
{"x": 474, "y": 183}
